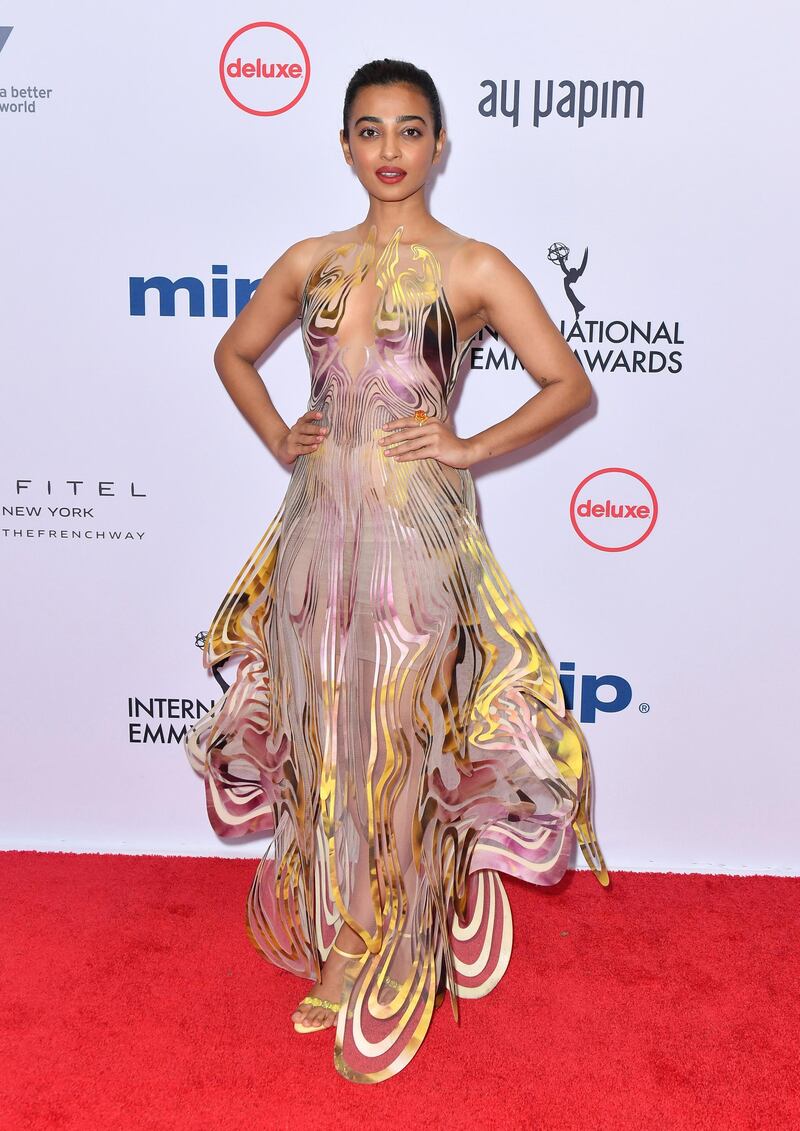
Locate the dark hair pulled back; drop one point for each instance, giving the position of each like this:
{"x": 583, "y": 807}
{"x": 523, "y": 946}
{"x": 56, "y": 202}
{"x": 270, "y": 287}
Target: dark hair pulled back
{"x": 384, "y": 72}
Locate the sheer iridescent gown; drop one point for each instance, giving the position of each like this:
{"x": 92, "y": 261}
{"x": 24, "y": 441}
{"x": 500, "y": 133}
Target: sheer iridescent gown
{"x": 395, "y": 722}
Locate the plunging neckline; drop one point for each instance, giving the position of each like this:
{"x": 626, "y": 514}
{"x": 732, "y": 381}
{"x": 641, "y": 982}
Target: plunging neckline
{"x": 357, "y": 246}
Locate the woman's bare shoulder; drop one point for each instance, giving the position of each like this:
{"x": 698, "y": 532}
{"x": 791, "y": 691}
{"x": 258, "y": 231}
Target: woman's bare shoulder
{"x": 301, "y": 257}
{"x": 483, "y": 271}
{"x": 306, "y": 249}
{"x": 319, "y": 244}
{"x": 475, "y": 254}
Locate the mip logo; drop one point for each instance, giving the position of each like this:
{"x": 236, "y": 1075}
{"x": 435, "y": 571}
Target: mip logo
{"x": 165, "y": 291}
{"x": 5, "y": 32}
{"x": 582, "y": 697}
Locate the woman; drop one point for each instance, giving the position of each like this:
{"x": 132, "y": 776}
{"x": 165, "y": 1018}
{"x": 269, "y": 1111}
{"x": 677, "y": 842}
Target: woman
{"x": 395, "y": 721}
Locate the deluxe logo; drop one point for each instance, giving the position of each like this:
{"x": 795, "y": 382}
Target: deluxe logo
{"x": 264, "y": 68}
{"x": 641, "y": 345}
{"x": 613, "y": 509}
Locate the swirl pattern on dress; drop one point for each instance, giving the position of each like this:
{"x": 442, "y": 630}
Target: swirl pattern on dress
{"x": 395, "y": 722}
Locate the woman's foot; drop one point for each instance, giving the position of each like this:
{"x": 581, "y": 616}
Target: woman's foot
{"x": 312, "y": 1015}
{"x": 394, "y": 978}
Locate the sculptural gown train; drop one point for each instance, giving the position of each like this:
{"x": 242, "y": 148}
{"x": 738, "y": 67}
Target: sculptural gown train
{"x": 394, "y": 722}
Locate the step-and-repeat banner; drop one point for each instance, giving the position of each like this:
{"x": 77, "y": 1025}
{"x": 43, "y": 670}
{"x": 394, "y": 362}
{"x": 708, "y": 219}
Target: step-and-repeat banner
{"x": 634, "y": 161}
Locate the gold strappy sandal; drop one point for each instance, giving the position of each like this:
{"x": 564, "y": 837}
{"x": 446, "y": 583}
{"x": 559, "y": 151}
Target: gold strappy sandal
{"x": 347, "y": 953}
{"x": 388, "y": 994}
{"x": 392, "y": 982}
{"x": 321, "y": 1002}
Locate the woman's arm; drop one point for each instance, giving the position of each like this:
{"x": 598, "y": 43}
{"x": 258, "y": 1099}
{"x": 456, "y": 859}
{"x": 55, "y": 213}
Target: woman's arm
{"x": 272, "y": 307}
{"x": 507, "y": 301}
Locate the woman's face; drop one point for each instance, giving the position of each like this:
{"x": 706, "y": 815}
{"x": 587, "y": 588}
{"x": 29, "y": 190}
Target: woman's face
{"x": 391, "y": 127}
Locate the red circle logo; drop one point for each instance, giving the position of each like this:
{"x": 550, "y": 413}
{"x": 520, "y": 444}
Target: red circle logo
{"x": 264, "y": 68}
{"x": 613, "y": 509}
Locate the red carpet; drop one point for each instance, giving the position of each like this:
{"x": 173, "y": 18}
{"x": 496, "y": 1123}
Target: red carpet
{"x": 132, "y": 999}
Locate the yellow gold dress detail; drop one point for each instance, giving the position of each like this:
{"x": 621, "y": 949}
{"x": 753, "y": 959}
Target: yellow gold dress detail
{"x": 395, "y": 723}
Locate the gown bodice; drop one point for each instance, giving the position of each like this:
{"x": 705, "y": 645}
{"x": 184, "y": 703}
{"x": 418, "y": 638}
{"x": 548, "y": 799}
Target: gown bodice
{"x": 407, "y": 359}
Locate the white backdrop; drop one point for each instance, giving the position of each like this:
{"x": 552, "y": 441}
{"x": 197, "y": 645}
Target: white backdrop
{"x": 123, "y": 157}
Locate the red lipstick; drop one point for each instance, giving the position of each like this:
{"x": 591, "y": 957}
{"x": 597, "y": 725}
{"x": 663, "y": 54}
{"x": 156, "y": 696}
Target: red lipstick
{"x": 389, "y": 174}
